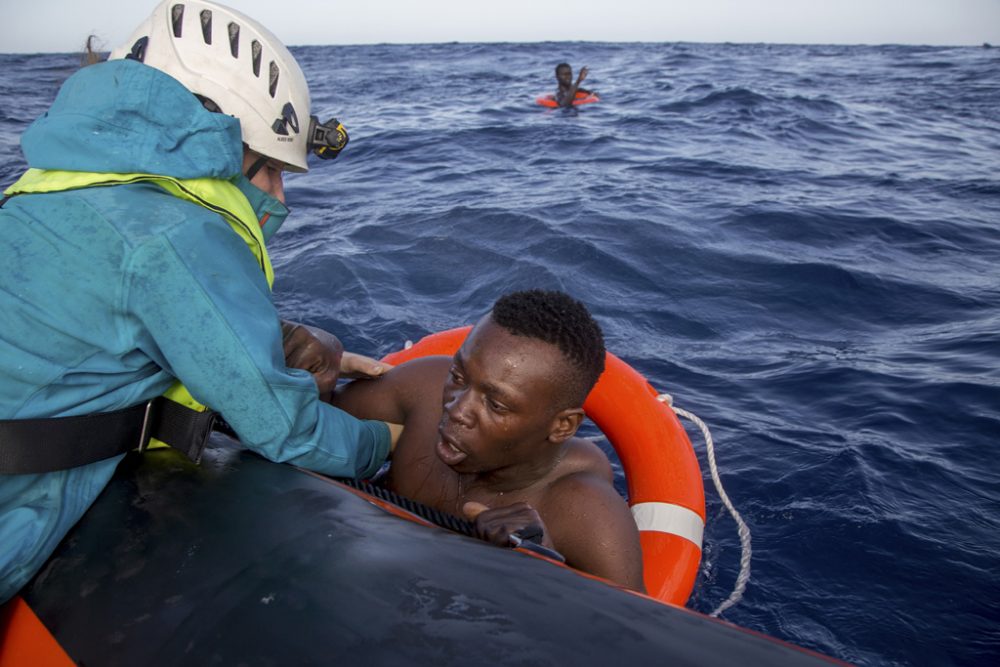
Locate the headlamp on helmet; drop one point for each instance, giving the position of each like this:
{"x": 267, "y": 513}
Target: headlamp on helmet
{"x": 224, "y": 56}
{"x": 326, "y": 140}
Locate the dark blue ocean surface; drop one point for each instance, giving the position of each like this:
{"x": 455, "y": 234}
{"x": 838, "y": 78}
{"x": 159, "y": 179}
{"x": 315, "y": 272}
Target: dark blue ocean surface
{"x": 800, "y": 243}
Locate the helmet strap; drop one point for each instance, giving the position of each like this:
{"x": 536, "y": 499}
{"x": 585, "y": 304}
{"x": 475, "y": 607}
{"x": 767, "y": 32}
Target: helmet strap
{"x": 255, "y": 167}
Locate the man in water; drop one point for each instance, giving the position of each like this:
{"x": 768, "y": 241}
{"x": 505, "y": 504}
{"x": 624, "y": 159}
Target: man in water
{"x": 567, "y": 89}
{"x": 499, "y": 446}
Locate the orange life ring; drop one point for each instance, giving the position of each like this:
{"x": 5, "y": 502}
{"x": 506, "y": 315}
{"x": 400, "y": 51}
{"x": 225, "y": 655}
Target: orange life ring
{"x": 580, "y": 98}
{"x": 661, "y": 470}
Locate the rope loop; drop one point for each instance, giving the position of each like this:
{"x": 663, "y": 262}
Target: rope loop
{"x": 742, "y": 529}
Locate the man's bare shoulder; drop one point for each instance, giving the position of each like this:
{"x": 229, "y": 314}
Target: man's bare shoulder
{"x": 422, "y": 369}
{"x": 589, "y": 521}
{"x": 419, "y": 380}
{"x": 395, "y": 394}
{"x": 584, "y": 457}
{"x": 584, "y": 483}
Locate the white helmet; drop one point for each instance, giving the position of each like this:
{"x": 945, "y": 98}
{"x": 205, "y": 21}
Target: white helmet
{"x": 236, "y": 66}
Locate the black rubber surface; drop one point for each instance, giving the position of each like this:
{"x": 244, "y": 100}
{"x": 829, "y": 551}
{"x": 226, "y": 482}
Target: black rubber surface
{"x": 240, "y": 561}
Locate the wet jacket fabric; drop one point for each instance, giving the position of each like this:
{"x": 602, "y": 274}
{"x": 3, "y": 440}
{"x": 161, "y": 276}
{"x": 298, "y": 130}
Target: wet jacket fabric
{"x": 111, "y": 294}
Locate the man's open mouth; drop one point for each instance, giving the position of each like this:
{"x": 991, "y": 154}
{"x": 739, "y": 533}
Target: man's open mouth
{"x": 448, "y": 449}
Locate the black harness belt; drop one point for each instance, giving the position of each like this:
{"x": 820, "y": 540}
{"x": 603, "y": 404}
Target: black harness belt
{"x": 57, "y": 443}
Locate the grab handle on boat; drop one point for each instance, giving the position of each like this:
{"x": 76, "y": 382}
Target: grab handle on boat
{"x": 527, "y": 537}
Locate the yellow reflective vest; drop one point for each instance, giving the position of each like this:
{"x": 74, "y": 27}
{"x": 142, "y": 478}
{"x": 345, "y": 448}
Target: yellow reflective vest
{"x": 217, "y": 195}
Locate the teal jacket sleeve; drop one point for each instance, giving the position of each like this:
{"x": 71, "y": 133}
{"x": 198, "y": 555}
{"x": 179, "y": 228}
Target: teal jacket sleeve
{"x": 203, "y": 298}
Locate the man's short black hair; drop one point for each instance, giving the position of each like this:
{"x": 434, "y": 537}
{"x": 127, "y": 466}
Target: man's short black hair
{"x": 561, "y": 65}
{"x": 558, "y": 319}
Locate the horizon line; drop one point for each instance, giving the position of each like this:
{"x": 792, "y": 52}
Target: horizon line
{"x": 984, "y": 44}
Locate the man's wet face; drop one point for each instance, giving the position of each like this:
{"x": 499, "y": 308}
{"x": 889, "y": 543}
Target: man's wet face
{"x": 499, "y": 400}
{"x": 564, "y": 75}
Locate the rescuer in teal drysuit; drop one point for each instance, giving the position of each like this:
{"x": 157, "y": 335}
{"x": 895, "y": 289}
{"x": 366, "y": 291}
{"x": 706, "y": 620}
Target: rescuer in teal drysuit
{"x": 111, "y": 293}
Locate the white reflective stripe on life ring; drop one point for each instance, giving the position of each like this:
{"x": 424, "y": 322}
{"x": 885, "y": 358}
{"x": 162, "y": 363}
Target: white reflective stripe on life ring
{"x": 667, "y": 518}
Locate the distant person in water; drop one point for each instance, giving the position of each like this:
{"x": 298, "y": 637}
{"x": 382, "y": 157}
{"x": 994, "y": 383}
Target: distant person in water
{"x": 491, "y": 433}
{"x": 567, "y": 88}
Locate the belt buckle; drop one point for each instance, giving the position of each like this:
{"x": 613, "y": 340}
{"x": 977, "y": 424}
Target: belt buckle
{"x": 199, "y": 438}
{"x": 147, "y": 426}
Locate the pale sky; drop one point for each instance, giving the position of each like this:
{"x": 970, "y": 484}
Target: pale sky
{"x": 30, "y": 26}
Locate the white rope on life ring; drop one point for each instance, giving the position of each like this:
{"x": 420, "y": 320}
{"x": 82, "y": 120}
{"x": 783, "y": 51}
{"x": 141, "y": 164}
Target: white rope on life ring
{"x": 742, "y": 528}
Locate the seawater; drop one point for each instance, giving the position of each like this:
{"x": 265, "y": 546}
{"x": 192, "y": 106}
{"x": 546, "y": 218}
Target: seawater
{"x": 799, "y": 243}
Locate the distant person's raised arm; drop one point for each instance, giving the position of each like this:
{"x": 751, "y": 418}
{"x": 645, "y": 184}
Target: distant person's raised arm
{"x": 570, "y": 94}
